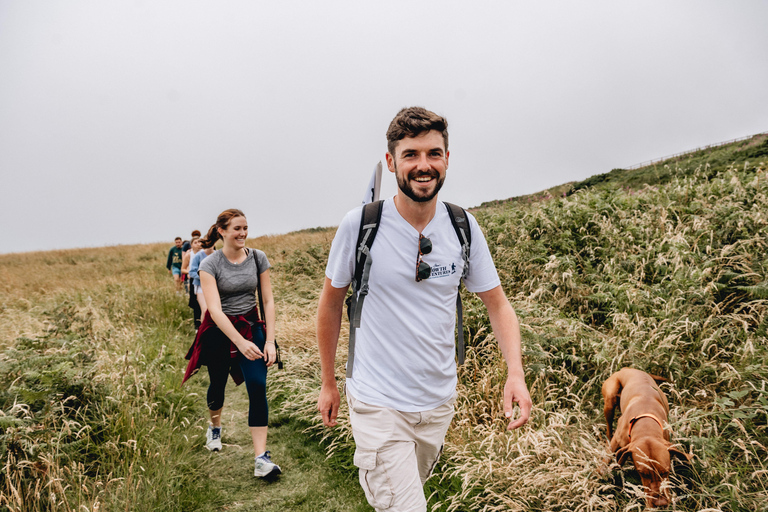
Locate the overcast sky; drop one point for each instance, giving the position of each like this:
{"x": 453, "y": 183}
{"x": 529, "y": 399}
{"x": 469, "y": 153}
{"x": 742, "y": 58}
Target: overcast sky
{"x": 137, "y": 121}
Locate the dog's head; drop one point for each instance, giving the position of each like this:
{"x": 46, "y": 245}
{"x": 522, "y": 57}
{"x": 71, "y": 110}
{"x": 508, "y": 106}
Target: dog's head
{"x": 652, "y": 458}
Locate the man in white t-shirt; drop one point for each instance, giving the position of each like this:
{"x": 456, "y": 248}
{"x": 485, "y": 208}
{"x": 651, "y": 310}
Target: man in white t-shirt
{"x": 403, "y": 385}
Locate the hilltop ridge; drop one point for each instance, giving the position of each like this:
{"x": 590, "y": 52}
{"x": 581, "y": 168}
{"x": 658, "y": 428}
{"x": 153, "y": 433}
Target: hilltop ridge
{"x": 717, "y": 157}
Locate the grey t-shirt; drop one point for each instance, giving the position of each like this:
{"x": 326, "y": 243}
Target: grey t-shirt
{"x": 236, "y": 282}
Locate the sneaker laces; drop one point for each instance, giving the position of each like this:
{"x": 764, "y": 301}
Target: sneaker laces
{"x": 215, "y": 432}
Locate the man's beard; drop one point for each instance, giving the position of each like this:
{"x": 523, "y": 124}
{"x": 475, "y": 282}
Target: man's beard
{"x": 405, "y": 186}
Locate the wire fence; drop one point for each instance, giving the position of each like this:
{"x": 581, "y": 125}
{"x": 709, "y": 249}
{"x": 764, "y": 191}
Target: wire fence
{"x": 709, "y": 146}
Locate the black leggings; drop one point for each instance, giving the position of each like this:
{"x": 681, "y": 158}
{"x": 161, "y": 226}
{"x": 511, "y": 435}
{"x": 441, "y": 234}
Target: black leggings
{"x": 196, "y": 310}
{"x": 219, "y": 361}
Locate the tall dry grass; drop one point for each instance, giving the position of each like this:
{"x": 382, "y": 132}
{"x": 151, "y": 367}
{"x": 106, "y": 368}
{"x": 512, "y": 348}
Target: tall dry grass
{"x": 298, "y": 261}
{"x": 91, "y": 416}
{"x": 670, "y": 279}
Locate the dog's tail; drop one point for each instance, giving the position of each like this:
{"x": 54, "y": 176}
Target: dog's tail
{"x": 658, "y": 379}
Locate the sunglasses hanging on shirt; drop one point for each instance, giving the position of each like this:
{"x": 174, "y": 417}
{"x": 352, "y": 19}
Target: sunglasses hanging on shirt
{"x": 423, "y": 269}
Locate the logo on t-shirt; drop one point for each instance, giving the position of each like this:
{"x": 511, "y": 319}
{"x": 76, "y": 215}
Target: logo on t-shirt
{"x": 442, "y": 270}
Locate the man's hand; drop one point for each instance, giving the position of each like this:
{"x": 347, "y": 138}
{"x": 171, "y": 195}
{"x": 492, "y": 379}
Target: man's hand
{"x": 515, "y": 390}
{"x": 328, "y": 404}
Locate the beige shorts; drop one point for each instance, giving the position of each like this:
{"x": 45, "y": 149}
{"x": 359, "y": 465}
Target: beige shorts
{"x": 396, "y": 452}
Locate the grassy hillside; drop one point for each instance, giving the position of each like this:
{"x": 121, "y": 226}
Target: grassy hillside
{"x": 92, "y": 414}
{"x": 710, "y": 160}
{"x": 663, "y": 269}
{"x": 669, "y": 278}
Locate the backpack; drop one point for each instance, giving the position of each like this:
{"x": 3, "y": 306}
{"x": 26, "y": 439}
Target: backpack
{"x": 369, "y": 226}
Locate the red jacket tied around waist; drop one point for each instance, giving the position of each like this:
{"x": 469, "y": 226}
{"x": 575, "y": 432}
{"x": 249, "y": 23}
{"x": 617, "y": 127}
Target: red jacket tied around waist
{"x": 243, "y": 325}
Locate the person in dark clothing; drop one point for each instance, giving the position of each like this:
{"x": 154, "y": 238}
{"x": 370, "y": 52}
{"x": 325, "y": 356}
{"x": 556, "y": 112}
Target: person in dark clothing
{"x": 195, "y": 247}
{"x": 174, "y": 263}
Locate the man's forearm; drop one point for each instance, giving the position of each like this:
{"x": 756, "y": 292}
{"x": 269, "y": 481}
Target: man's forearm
{"x": 328, "y": 329}
{"x": 507, "y": 332}
{"x": 506, "y": 328}
{"x": 329, "y": 311}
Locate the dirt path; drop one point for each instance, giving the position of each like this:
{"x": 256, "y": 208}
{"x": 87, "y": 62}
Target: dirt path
{"x": 308, "y": 483}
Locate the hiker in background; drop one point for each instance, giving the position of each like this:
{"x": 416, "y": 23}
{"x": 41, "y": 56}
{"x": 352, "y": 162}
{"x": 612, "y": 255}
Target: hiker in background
{"x": 185, "y": 267}
{"x": 206, "y": 249}
{"x": 186, "y": 246}
{"x": 174, "y": 263}
{"x": 402, "y": 386}
{"x": 233, "y": 340}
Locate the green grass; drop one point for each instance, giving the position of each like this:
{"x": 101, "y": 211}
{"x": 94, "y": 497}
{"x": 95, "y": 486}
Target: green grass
{"x": 92, "y": 412}
{"x": 308, "y": 482}
{"x": 670, "y": 279}
{"x": 710, "y": 161}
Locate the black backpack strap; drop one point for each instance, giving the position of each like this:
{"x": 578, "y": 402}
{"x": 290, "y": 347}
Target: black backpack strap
{"x": 261, "y": 310}
{"x": 464, "y": 233}
{"x": 370, "y": 219}
{"x": 369, "y": 225}
{"x": 262, "y": 316}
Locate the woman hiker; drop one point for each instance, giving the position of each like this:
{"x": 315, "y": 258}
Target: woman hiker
{"x": 232, "y": 339}
{"x": 186, "y": 262}
{"x": 206, "y": 249}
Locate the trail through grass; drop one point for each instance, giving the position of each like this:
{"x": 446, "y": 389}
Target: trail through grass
{"x": 308, "y": 482}
{"x": 93, "y": 416}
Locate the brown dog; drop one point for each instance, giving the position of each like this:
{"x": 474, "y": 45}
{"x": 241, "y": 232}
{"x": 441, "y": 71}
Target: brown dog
{"x": 640, "y": 431}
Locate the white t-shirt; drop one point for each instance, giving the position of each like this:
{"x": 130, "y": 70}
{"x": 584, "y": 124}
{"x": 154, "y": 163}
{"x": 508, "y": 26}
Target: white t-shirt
{"x": 405, "y": 345}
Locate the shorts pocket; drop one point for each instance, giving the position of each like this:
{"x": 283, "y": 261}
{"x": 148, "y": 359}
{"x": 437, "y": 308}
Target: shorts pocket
{"x": 374, "y": 479}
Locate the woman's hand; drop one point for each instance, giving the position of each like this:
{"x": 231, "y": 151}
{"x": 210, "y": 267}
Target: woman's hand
{"x": 249, "y": 349}
{"x": 270, "y": 353}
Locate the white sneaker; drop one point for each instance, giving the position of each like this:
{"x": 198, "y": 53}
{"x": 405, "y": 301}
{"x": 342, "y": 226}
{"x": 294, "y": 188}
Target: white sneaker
{"x": 213, "y": 439}
{"x": 265, "y": 467}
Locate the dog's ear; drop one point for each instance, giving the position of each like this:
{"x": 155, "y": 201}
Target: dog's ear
{"x": 623, "y": 454}
{"x": 676, "y": 452}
